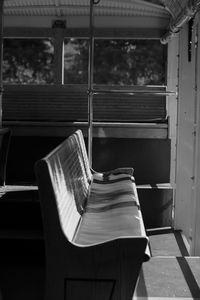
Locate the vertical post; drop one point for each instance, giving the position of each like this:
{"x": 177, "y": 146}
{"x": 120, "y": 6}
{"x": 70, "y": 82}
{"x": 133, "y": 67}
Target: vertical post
{"x": 195, "y": 246}
{"x": 58, "y": 34}
{"x": 172, "y": 102}
{"x": 90, "y": 82}
{"x": 59, "y": 57}
{"x": 1, "y": 58}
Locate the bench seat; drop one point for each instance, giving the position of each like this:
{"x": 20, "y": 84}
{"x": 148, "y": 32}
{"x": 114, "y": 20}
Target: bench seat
{"x": 94, "y": 233}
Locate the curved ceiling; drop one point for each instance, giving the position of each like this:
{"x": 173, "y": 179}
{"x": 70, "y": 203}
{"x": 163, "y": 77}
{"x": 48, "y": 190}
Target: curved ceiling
{"x": 165, "y": 14}
{"x": 108, "y": 13}
{"x": 81, "y": 7}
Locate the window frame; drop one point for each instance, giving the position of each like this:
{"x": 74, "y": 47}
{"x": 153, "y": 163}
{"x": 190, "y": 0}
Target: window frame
{"x": 59, "y": 34}
{"x": 32, "y": 38}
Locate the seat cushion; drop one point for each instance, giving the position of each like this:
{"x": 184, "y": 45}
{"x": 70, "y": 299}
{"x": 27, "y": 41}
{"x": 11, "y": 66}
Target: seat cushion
{"x": 112, "y": 211}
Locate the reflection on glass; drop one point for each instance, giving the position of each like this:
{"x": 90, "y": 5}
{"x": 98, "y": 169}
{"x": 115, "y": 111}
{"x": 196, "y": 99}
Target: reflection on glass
{"x": 76, "y": 61}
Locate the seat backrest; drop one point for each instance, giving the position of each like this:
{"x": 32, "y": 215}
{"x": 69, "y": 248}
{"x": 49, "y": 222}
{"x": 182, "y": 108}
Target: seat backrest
{"x": 63, "y": 178}
{"x": 5, "y": 134}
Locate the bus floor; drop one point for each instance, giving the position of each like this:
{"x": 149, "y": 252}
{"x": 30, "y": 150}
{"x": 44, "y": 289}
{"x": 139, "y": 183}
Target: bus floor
{"x": 170, "y": 274}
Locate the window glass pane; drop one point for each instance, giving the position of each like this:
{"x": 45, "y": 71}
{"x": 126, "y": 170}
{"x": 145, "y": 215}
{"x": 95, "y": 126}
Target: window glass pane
{"x": 28, "y": 61}
{"x": 129, "y": 62}
{"x": 76, "y": 61}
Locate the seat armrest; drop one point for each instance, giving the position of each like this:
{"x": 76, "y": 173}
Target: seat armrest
{"x": 117, "y": 171}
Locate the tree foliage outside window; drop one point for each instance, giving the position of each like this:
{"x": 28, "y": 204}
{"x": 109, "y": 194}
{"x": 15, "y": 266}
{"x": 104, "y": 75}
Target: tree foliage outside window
{"x": 129, "y": 62}
{"x": 28, "y": 61}
{"x": 117, "y": 62}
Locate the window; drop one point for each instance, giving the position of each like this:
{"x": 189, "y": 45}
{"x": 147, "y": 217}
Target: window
{"x": 116, "y": 62}
{"x": 28, "y": 61}
{"x": 129, "y": 62}
{"x": 76, "y": 61}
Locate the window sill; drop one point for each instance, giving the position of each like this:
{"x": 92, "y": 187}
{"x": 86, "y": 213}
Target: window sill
{"x": 100, "y": 129}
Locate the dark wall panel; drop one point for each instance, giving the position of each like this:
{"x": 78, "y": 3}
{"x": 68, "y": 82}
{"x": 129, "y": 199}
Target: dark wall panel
{"x": 69, "y": 103}
{"x": 149, "y": 157}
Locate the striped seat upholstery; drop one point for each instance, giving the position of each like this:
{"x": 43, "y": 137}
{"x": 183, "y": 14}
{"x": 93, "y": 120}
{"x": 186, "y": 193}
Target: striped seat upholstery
{"x": 112, "y": 211}
{"x": 94, "y": 232}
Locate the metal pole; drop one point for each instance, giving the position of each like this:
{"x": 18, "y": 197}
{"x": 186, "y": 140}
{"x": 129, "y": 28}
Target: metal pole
{"x": 1, "y": 58}
{"x": 90, "y": 82}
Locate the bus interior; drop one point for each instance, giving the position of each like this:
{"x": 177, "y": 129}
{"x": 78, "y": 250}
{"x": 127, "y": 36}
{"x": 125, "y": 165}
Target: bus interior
{"x": 127, "y": 73}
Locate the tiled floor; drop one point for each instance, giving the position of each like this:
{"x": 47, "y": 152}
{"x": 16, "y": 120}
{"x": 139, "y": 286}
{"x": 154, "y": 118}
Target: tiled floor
{"x": 171, "y": 273}
{"x": 169, "y": 278}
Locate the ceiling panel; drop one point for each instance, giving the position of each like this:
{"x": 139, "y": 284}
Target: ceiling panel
{"x": 81, "y": 7}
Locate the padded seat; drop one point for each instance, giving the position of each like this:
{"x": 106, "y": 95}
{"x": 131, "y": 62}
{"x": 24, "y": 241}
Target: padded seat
{"x": 111, "y": 211}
